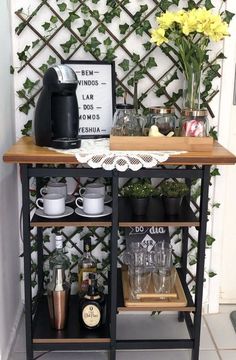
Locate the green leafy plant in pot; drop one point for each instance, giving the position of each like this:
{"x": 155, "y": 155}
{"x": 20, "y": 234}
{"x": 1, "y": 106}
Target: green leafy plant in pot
{"x": 139, "y": 194}
{"x": 172, "y": 193}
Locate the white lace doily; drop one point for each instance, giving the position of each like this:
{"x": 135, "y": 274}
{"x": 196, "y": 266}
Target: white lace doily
{"x": 96, "y": 153}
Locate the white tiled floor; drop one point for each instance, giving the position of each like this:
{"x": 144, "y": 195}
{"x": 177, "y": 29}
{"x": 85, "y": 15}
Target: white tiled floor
{"x": 218, "y": 339}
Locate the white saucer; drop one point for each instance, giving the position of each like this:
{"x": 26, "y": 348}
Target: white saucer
{"x": 68, "y": 211}
{"x": 107, "y": 211}
{"x": 70, "y": 199}
{"x": 107, "y": 199}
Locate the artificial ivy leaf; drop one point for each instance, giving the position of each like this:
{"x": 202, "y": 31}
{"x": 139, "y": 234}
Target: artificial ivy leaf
{"x": 94, "y": 42}
{"x": 130, "y": 82}
{"x": 209, "y": 240}
{"x": 102, "y": 29}
{"x": 43, "y": 68}
{"x": 123, "y": 28}
{"x": 22, "y": 55}
{"x": 151, "y": 63}
{"x": 135, "y": 58}
{"x": 165, "y": 4}
{"x": 83, "y": 29}
{"x": 174, "y": 98}
{"x": 124, "y": 64}
{"x": 138, "y": 75}
{"x": 24, "y": 108}
{"x": 85, "y": 9}
{"x": 95, "y": 1}
{"x": 159, "y": 92}
{"x": 71, "y": 18}
{"x": 146, "y": 25}
{"x": 192, "y": 262}
{"x": 21, "y": 93}
{"x": 95, "y": 14}
{"x": 215, "y": 172}
{"x": 108, "y": 17}
{"x": 51, "y": 60}
{"x": 143, "y": 8}
{"x": 29, "y": 85}
{"x": 142, "y": 97}
{"x": 19, "y": 11}
{"x": 208, "y": 4}
{"x": 175, "y": 2}
{"x": 27, "y": 128}
{"x": 19, "y": 28}
{"x": 107, "y": 41}
{"x": 116, "y": 11}
{"x": 74, "y": 1}
{"x": 74, "y": 258}
{"x": 213, "y": 133}
{"x": 53, "y": 19}
{"x": 120, "y": 91}
{"x": 212, "y": 274}
{"x": 96, "y": 52}
{"x": 147, "y": 46}
{"x": 62, "y": 6}
{"x": 216, "y": 205}
{"x": 12, "y": 70}
{"x": 173, "y": 77}
{"x": 67, "y": 45}
{"x": 46, "y": 25}
{"x": 228, "y": 16}
{"x": 110, "y": 56}
{"x": 139, "y": 30}
{"x": 35, "y": 43}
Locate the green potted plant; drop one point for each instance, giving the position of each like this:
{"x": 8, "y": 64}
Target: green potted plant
{"x": 139, "y": 194}
{"x": 172, "y": 193}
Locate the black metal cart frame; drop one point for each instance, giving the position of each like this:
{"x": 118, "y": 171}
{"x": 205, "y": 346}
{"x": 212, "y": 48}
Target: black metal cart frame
{"x": 112, "y": 344}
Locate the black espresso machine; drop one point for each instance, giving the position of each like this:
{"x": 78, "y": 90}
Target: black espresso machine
{"x": 56, "y": 121}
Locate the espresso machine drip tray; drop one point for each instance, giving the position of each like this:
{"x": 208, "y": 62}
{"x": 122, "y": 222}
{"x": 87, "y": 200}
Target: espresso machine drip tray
{"x": 66, "y": 143}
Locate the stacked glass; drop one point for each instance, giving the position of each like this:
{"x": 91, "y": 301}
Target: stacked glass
{"x": 144, "y": 266}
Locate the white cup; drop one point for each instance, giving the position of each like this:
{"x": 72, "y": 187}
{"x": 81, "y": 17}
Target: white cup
{"x": 52, "y": 204}
{"x": 54, "y": 188}
{"x": 94, "y": 188}
{"x": 93, "y": 204}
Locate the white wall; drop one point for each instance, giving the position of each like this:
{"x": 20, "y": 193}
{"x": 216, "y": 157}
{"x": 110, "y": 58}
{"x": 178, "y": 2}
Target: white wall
{"x": 10, "y": 301}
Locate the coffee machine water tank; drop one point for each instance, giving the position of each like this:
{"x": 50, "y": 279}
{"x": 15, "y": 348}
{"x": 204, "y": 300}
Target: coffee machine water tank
{"x": 56, "y": 122}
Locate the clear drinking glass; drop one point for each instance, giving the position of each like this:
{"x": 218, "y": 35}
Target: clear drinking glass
{"x": 163, "y": 255}
{"x": 139, "y": 280}
{"x": 164, "y": 281}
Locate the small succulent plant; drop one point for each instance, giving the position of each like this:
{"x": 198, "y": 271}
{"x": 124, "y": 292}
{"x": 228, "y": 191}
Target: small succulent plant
{"x": 173, "y": 189}
{"x": 139, "y": 189}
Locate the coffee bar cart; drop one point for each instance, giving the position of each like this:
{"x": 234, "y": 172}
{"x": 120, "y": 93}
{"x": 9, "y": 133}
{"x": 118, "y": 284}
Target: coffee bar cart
{"x": 191, "y": 165}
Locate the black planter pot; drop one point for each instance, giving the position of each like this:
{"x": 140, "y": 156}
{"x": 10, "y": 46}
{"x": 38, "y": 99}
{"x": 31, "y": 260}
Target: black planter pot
{"x": 139, "y": 206}
{"x": 172, "y": 205}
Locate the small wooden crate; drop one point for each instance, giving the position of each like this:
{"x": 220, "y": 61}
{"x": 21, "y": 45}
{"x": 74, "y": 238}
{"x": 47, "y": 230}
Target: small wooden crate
{"x": 147, "y": 143}
{"x": 152, "y": 299}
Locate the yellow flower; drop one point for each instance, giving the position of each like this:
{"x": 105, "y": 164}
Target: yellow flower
{"x": 158, "y": 36}
{"x": 166, "y": 20}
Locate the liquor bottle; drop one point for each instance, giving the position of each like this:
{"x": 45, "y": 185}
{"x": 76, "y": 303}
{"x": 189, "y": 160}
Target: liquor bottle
{"x": 87, "y": 264}
{"x": 58, "y": 259}
{"x": 92, "y": 308}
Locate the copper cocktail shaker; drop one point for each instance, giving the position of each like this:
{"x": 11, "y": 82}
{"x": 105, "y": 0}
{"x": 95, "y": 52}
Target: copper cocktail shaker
{"x": 58, "y": 291}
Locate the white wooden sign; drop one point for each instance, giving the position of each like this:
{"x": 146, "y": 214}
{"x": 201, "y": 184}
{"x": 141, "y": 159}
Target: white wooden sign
{"x": 95, "y": 96}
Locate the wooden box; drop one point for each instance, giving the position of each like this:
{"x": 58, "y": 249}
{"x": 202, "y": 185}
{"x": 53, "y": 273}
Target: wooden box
{"x": 176, "y": 299}
{"x": 147, "y": 143}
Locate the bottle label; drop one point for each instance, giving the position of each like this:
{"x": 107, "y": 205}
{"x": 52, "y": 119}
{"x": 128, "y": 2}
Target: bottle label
{"x": 84, "y": 278}
{"x": 91, "y": 315}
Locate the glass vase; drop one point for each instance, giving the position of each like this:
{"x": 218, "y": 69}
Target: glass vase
{"x": 192, "y": 89}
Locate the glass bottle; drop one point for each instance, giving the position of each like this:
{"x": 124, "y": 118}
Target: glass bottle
{"x": 164, "y": 118}
{"x": 87, "y": 264}
{"x": 58, "y": 259}
{"x": 92, "y": 308}
{"x": 194, "y": 123}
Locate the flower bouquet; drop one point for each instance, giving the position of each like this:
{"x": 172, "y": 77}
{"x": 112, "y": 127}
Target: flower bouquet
{"x": 189, "y": 33}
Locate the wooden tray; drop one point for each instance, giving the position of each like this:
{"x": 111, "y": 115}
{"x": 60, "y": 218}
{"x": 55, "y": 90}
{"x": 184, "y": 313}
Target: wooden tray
{"x": 146, "y": 143}
{"x": 151, "y": 299}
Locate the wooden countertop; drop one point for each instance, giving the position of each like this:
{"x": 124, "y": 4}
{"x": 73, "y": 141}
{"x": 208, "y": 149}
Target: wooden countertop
{"x": 26, "y": 152}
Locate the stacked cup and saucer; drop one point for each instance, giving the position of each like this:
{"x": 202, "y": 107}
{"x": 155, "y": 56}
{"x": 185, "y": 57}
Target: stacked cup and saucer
{"x": 92, "y": 200}
{"x": 53, "y": 202}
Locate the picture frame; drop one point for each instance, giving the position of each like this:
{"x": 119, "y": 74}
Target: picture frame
{"x": 95, "y": 95}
